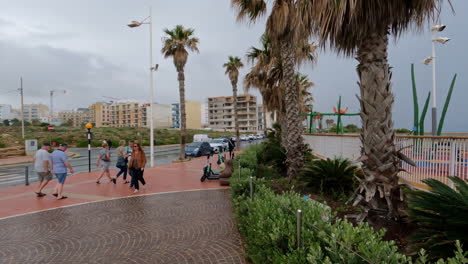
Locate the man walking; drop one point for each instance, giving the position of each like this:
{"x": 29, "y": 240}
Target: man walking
{"x": 60, "y": 164}
{"x": 43, "y": 168}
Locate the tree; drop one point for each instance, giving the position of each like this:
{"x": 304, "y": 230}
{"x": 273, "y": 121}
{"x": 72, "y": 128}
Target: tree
{"x": 175, "y": 45}
{"x": 360, "y": 28}
{"x": 267, "y": 75}
{"x": 6, "y": 122}
{"x": 232, "y": 70}
{"x": 305, "y": 97}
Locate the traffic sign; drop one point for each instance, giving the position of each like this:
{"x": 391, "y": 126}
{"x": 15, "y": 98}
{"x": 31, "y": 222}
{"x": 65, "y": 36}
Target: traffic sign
{"x": 51, "y": 128}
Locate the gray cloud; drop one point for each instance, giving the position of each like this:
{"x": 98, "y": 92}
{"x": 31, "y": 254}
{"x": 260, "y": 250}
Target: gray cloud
{"x": 85, "y": 47}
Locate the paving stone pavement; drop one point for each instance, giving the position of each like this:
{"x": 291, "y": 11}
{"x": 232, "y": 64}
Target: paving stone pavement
{"x": 179, "y": 227}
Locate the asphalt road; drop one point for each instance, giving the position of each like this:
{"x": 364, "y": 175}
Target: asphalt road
{"x": 15, "y": 174}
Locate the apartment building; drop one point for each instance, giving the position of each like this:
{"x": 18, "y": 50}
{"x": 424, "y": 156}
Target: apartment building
{"x": 6, "y": 112}
{"x": 161, "y": 115}
{"x": 221, "y": 113}
{"x": 35, "y": 112}
{"x": 128, "y": 114}
{"x": 76, "y": 117}
{"x": 193, "y": 111}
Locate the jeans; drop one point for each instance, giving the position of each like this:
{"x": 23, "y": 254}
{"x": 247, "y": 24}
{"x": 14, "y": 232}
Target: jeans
{"x": 124, "y": 171}
{"x": 61, "y": 177}
{"x": 137, "y": 176}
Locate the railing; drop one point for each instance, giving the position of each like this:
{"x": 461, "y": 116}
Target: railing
{"x": 435, "y": 157}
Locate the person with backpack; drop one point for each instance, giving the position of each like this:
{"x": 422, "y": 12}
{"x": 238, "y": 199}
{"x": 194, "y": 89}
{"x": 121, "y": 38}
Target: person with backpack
{"x": 104, "y": 160}
{"x": 122, "y": 160}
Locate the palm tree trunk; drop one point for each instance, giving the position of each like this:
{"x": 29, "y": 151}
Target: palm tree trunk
{"x": 294, "y": 151}
{"x": 183, "y": 130}
{"x": 264, "y": 120}
{"x": 236, "y": 123}
{"x": 284, "y": 130}
{"x": 380, "y": 161}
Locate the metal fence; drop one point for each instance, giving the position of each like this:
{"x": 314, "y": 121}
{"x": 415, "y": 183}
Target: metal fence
{"x": 435, "y": 157}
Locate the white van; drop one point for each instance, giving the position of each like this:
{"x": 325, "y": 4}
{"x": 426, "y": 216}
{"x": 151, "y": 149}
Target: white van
{"x": 201, "y": 138}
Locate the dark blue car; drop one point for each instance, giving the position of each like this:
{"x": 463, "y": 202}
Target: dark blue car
{"x": 197, "y": 149}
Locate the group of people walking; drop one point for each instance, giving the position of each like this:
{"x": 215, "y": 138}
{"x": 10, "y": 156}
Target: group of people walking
{"x": 131, "y": 160}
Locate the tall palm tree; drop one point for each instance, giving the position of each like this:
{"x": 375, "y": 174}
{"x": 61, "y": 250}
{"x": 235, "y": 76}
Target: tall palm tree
{"x": 361, "y": 28}
{"x": 232, "y": 70}
{"x": 175, "y": 45}
{"x": 286, "y": 30}
{"x": 267, "y": 76}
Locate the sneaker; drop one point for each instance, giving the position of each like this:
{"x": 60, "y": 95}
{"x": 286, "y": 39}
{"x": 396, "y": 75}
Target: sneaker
{"x": 135, "y": 191}
{"x": 114, "y": 181}
{"x": 40, "y": 194}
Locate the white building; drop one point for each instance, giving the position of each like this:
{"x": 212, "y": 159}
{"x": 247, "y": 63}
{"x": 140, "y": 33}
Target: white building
{"x": 162, "y": 117}
{"x": 6, "y": 112}
{"x": 34, "y": 112}
{"x": 204, "y": 115}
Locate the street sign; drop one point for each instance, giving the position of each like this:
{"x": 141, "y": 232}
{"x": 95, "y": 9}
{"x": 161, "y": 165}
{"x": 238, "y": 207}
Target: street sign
{"x": 51, "y": 128}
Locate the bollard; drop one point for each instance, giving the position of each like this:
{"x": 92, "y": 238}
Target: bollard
{"x": 251, "y": 188}
{"x": 26, "y": 175}
{"x": 299, "y": 228}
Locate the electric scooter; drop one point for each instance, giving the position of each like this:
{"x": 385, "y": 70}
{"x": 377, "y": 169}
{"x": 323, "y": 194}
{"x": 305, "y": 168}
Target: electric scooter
{"x": 208, "y": 173}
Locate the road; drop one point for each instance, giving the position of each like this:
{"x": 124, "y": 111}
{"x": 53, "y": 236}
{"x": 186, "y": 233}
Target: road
{"x": 15, "y": 174}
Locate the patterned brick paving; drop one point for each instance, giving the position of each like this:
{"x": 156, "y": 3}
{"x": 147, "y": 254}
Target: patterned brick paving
{"x": 183, "y": 227}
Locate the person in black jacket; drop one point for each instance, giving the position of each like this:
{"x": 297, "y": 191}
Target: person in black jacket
{"x": 232, "y": 146}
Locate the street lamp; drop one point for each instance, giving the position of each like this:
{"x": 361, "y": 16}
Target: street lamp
{"x": 88, "y": 127}
{"x": 134, "y": 24}
{"x": 441, "y": 40}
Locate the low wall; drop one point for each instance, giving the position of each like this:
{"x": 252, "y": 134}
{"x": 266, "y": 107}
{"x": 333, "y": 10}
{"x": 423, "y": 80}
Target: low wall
{"x": 435, "y": 157}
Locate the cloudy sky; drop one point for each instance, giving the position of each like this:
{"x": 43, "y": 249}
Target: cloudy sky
{"x": 85, "y": 48}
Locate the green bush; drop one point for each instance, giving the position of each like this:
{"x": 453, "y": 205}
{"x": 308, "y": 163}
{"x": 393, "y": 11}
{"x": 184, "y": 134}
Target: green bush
{"x": 331, "y": 176}
{"x": 441, "y": 214}
{"x": 268, "y": 225}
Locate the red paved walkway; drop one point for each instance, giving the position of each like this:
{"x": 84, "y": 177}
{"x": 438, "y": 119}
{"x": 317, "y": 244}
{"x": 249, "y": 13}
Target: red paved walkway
{"x": 82, "y": 188}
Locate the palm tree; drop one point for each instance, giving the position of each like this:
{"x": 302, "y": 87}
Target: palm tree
{"x": 267, "y": 76}
{"x": 287, "y": 31}
{"x": 175, "y": 45}
{"x": 360, "y": 28}
{"x": 305, "y": 97}
{"x": 232, "y": 70}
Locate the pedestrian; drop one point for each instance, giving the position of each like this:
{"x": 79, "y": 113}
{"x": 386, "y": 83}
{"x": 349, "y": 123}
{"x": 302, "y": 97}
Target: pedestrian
{"x": 59, "y": 165}
{"x": 137, "y": 166}
{"x": 231, "y": 146}
{"x": 43, "y": 168}
{"x": 104, "y": 160}
{"x": 122, "y": 160}
{"x": 129, "y": 150}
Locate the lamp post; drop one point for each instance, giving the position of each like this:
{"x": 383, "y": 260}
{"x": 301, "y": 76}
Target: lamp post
{"x": 152, "y": 69}
{"x": 442, "y": 40}
{"x": 88, "y": 127}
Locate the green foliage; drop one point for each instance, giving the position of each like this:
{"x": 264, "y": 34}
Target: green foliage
{"x": 2, "y": 145}
{"x": 6, "y": 122}
{"x": 351, "y": 128}
{"x": 268, "y": 226}
{"x": 330, "y": 176}
{"x": 402, "y": 131}
{"x": 272, "y": 152}
{"x": 442, "y": 215}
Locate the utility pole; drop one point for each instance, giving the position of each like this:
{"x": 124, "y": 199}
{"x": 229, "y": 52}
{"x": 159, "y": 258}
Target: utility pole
{"x": 22, "y": 107}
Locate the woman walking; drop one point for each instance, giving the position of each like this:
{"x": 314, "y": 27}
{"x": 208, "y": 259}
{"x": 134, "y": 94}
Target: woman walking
{"x": 122, "y": 161}
{"x": 136, "y": 166}
{"x": 104, "y": 160}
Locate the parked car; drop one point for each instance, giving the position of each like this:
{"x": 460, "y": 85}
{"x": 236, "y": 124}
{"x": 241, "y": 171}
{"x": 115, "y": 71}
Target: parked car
{"x": 251, "y": 137}
{"x": 197, "y": 149}
{"x": 218, "y": 145}
{"x": 201, "y": 138}
{"x": 244, "y": 138}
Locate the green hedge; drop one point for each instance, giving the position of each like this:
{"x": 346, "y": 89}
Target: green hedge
{"x": 268, "y": 226}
